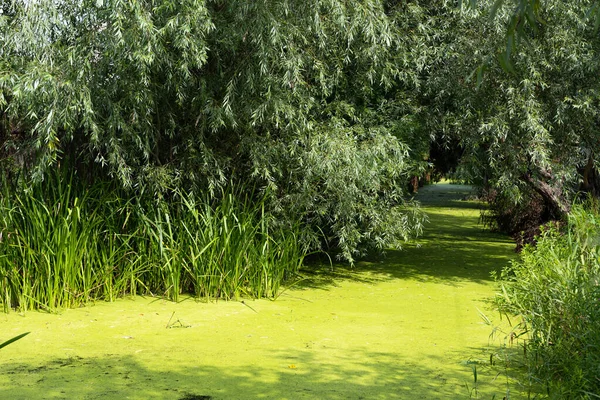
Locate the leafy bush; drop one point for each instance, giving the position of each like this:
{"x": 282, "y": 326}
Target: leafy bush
{"x": 345, "y": 184}
{"x": 297, "y": 96}
{"x": 555, "y": 288}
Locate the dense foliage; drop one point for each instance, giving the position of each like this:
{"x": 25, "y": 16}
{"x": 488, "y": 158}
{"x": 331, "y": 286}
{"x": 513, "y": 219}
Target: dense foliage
{"x": 555, "y": 288}
{"x": 329, "y": 106}
{"x": 210, "y": 144}
{"x": 522, "y": 107}
{"x": 294, "y": 97}
{"x": 521, "y": 220}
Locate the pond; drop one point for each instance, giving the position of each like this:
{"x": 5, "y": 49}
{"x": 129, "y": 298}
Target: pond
{"x": 405, "y": 325}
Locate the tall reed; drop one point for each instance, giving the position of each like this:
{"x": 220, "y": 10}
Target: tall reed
{"x": 57, "y": 249}
{"x": 555, "y": 288}
{"x": 223, "y": 249}
{"x": 63, "y": 244}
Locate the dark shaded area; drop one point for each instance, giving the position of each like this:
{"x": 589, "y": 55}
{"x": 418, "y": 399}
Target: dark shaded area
{"x": 357, "y": 374}
{"x": 445, "y": 155}
{"x": 449, "y": 195}
{"x": 590, "y": 182}
{"x": 453, "y": 248}
{"x": 522, "y": 221}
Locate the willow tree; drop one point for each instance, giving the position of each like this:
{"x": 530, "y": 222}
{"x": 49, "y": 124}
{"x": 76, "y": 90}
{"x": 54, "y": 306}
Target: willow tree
{"x": 530, "y": 121}
{"x": 289, "y": 96}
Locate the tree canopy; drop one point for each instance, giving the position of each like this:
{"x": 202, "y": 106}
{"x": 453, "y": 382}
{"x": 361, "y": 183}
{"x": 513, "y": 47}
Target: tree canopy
{"x": 531, "y": 122}
{"x": 290, "y": 95}
{"x": 330, "y": 106}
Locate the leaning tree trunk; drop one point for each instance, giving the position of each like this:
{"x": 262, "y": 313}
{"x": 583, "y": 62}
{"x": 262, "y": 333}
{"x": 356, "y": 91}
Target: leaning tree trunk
{"x": 553, "y": 195}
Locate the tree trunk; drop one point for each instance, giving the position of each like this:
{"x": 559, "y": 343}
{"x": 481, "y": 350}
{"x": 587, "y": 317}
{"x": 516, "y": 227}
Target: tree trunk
{"x": 552, "y": 195}
{"x": 591, "y": 179}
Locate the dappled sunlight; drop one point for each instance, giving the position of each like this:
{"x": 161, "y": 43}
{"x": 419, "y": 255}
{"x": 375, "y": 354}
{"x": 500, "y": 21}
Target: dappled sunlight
{"x": 454, "y": 247}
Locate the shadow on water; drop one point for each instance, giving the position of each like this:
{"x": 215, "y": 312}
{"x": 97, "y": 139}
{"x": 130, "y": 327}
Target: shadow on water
{"x": 445, "y": 192}
{"x": 441, "y": 264}
{"x": 474, "y": 205}
{"x": 355, "y": 374}
{"x": 454, "y": 247}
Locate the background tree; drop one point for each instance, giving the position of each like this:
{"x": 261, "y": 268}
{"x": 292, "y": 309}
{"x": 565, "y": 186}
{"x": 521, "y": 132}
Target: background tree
{"x": 533, "y": 126}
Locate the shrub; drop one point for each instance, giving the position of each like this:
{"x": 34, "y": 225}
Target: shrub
{"x": 555, "y": 288}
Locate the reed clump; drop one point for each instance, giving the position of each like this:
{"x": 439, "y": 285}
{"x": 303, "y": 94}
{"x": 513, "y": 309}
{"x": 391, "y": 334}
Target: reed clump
{"x": 555, "y": 289}
{"x": 63, "y": 244}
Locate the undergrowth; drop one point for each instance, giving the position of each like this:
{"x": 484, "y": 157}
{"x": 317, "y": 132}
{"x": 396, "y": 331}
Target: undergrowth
{"x": 554, "y": 288}
{"x": 521, "y": 220}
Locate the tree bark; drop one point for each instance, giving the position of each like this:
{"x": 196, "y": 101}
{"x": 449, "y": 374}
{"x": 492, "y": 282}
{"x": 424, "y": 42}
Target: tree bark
{"x": 552, "y": 195}
{"x": 591, "y": 179}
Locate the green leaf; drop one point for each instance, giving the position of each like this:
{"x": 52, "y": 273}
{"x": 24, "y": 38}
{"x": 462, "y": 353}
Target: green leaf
{"x": 479, "y": 76}
{"x": 494, "y": 10}
{"x": 9, "y": 341}
{"x": 505, "y": 63}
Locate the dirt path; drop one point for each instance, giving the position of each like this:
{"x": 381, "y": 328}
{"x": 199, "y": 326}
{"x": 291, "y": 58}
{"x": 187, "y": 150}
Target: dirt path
{"x": 402, "y": 327}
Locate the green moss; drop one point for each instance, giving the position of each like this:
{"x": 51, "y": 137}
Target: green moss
{"x": 401, "y": 326}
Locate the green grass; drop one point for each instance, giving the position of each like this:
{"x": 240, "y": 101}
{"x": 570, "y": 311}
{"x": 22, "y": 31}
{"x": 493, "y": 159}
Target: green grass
{"x": 54, "y": 251}
{"x": 223, "y": 250}
{"x": 554, "y": 289}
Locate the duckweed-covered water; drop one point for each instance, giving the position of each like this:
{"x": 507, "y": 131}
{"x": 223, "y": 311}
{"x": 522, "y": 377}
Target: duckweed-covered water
{"x": 404, "y": 326}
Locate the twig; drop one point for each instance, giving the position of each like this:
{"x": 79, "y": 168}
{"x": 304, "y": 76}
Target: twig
{"x": 249, "y": 307}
